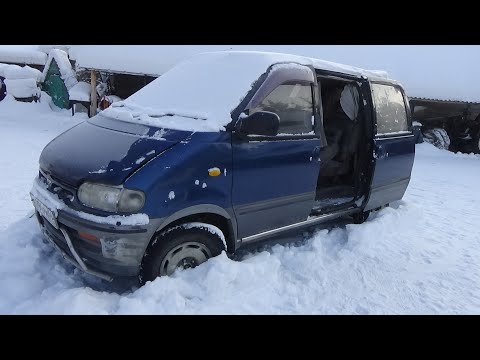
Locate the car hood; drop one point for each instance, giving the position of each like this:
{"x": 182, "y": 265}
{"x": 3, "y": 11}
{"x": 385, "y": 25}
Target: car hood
{"x": 104, "y": 151}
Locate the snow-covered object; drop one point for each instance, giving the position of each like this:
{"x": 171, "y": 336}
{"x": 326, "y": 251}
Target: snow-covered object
{"x": 22, "y": 88}
{"x": 47, "y": 48}
{"x": 201, "y": 92}
{"x": 80, "y": 92}
{"x": 3, "y": 67}
{"x": 64, "y": 65}
{"x": 349, "y": 100}
{"x": 22, "y": 54}
{"x": 113, "y": 98}
{"x": 15, "y": 72}
{"x": 11, "y": 71}
{"x": 21, "y": 82}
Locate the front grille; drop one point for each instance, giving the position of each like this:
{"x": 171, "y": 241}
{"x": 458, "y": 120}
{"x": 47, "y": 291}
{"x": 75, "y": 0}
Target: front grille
{"x": 56, "y": 236}
{"x": 65, "y": 193}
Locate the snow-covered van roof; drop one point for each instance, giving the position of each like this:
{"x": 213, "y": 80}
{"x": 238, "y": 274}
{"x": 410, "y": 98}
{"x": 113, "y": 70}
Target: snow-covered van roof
{"x": 200, "y": 93}
{"x": 22, "y": 54}
{"x": 156, "y": 60}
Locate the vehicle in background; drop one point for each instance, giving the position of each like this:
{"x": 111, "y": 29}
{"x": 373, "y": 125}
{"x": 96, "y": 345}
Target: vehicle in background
{"x": 449, "y": 125}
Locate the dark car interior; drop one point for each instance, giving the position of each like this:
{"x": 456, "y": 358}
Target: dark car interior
{"x": 344, "y": 128}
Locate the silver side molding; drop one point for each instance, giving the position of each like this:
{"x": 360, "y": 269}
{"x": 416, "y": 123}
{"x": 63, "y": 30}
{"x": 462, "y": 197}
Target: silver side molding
{"x": 310, "y": 221}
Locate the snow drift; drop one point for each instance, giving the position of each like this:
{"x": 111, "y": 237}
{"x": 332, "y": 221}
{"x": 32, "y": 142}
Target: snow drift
{"x": 420, "y": 256}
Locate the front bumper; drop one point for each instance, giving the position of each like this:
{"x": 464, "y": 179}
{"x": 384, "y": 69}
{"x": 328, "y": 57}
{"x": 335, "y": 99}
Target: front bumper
{"x": 118, "y": 252}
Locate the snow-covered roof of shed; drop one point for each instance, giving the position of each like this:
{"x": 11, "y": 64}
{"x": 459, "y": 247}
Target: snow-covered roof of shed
{"x": 46, "y": 48}
{"x": 64, "y": 65}
{"x": 131, "y": 59}
{"x": 156, "y": 60}
{"x": 22, "y": 54}
{"x": 446, "y": 72}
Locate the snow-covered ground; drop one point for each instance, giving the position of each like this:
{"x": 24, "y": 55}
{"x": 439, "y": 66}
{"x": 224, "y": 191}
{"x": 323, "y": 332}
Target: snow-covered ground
{"x": 421, "y": 255}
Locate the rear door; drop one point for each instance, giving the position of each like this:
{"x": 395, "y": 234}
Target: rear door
{"x": 394, "y": 145}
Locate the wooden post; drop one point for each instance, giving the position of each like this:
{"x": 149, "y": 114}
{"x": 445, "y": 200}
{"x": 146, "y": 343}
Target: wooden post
{"x": 93, "y": 93}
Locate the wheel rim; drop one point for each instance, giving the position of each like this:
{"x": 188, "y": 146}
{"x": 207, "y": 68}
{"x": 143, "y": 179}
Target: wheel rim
{"x": 184, "y": 256}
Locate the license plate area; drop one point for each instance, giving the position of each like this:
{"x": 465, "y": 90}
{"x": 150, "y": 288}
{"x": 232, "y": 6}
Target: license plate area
{"x": 45, "y": 212}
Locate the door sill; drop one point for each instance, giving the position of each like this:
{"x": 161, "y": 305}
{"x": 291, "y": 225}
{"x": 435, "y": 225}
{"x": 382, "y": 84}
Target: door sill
{"x": 319, "y": 209}
{"x": 312, "y": 220}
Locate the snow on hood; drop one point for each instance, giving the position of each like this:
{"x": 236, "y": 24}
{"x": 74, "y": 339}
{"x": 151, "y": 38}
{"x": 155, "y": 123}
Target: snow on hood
{"x": 91, "y": 151}
{"x": 200, "y": 93}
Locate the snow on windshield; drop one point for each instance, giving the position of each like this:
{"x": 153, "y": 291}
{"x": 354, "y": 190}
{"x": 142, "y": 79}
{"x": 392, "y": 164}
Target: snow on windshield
{"x": 199, "y": 94}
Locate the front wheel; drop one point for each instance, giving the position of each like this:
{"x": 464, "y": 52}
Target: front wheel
{"x": 181, "y": 247}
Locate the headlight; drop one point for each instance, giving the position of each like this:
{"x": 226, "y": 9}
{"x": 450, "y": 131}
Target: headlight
{"x": 110, "y": 198}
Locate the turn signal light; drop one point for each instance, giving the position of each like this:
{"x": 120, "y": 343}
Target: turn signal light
{"x": 87, "y": 236}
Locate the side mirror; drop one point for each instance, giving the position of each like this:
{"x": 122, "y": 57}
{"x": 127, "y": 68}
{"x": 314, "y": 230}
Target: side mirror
{"x": 260, "y": 123}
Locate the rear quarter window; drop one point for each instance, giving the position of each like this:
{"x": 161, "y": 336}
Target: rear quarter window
{"x": 390, "y": 109}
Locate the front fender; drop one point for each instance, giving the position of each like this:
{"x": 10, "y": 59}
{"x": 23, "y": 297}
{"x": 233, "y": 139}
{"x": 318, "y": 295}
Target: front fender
{"x": 198, "y": 210}
{"x": 178, "y": 182}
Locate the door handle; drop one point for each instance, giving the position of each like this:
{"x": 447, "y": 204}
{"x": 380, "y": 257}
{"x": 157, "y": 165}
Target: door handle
{"x": 316, "y": 153}
{"x": 380, "y": 153}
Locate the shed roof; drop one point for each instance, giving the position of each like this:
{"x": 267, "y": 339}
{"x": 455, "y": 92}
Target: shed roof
{"x": 22, "y": 54}
{"x": 434, "y": 71}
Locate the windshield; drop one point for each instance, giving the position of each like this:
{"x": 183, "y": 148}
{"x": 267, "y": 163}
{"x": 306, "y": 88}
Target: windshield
{"x": 199, "y": 94}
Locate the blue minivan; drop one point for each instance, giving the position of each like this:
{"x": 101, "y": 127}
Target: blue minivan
{"x": 225, "y": 149}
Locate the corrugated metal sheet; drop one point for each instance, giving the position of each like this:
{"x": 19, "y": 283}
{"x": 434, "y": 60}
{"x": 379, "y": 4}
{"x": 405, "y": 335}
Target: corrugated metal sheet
{"x": 444, "y": 100}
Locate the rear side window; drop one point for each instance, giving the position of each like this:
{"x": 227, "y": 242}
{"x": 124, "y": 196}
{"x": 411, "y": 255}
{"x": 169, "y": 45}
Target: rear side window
{"x": 390, "y": 107}
{"x": 293, "y": 103}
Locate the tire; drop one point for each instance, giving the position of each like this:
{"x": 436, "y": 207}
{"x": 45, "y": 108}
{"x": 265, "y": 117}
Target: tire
{"x": 446, "y": 139}
{"x": 438, "y": 137}
{"x": 360, "y": 217}
{"x": 184, "y": 246}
